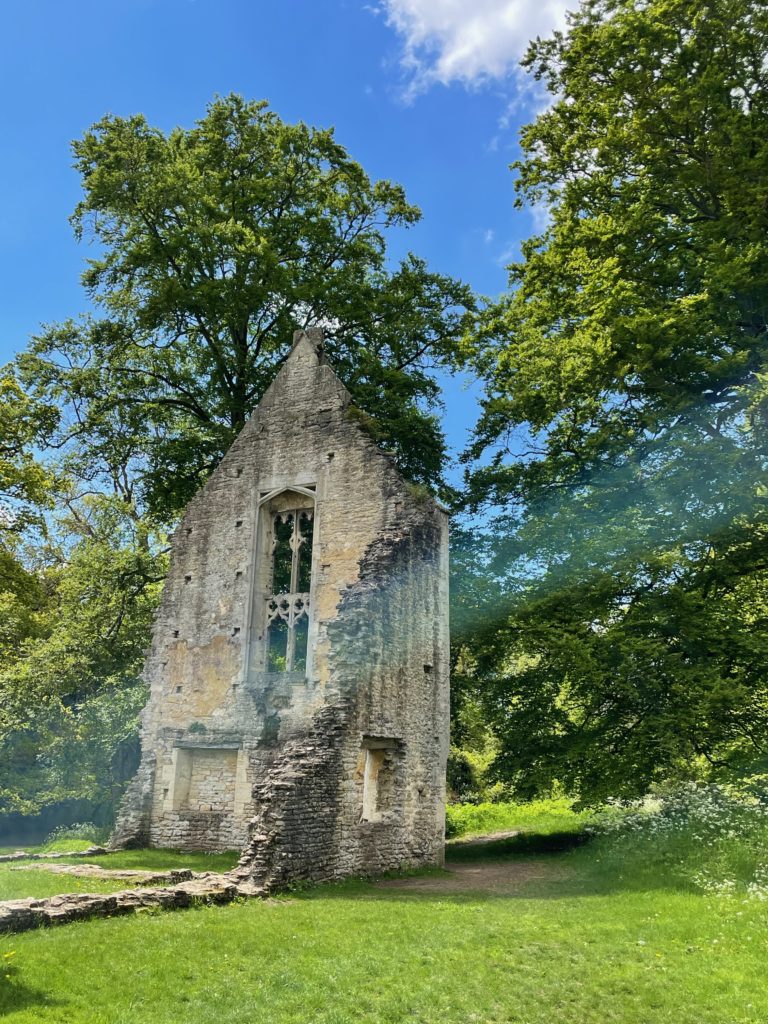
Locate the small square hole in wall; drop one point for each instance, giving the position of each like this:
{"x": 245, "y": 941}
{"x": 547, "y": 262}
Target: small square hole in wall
{"x": 427, "y": 669}
{"x": 238, "y": 574}
{"x": 234, "y": 687}
{"x": 178, "y": 689}
{"x": 238, "y": 522}
{"x": 235, "y": 631}
{"x": 175, "y": 633}
{"x": 187, "y": 579}
{"x": 188, "y": 530}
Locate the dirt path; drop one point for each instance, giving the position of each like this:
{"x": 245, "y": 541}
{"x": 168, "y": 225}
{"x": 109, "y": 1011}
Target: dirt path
{"x": 501, "y": 876}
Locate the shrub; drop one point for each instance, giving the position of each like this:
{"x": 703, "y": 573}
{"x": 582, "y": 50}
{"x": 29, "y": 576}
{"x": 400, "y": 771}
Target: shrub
{"x": 701, "y": 836}
{"x": 467, "y": 777}
{"x": 76, "y": 836}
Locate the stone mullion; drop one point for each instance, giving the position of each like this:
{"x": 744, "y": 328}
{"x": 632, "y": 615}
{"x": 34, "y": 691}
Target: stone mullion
{"x": 290, "y": 648}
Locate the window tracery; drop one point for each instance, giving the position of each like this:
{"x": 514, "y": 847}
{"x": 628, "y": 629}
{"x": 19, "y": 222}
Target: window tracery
{"x": 288, "y": 599}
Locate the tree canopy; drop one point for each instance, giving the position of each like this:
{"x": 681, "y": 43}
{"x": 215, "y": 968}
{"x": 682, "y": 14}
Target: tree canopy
{"x": 623, "y": 430}
{"x": 25, "y": 484}
{"x": 611, "y": 578}
{"x": 214, "y": 244}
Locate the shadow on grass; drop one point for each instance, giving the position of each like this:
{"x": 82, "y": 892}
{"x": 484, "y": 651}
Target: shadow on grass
{"x": 16, "y": 996}
{"x": 524, "y": 844}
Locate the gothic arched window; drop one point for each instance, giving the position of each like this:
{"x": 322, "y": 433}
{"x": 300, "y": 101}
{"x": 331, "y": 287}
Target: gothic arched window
{"x": 287, "y": 613}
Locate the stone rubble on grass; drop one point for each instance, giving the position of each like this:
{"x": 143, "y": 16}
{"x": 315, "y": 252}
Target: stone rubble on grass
{"x": 92, "y": 851}
{"x": 208, "y": 887}
{"x": 142, "y": 877}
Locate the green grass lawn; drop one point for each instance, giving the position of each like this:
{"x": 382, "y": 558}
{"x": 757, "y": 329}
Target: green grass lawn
{"x": 15, "y": 885}
{"x": 588, "y": 938}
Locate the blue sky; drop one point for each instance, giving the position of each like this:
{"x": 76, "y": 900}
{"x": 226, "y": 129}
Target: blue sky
{"x": 424, "y": 92}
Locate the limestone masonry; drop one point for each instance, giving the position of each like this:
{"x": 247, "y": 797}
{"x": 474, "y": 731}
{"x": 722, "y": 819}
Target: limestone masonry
{"x": 298, "y": 670}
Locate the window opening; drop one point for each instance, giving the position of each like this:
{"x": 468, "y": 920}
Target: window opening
{"x": 379, "y": 771}
{"x": 288, "y": 600}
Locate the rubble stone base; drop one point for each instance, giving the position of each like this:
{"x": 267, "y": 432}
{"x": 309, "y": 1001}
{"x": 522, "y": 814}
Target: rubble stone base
{"x": 21, "y": 915}
{"x": 92, "y": 851}
{"x": 171, "y": 876}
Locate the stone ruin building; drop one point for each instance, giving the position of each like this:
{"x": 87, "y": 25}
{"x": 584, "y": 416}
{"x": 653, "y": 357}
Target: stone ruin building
{"x": 298, "y": 670}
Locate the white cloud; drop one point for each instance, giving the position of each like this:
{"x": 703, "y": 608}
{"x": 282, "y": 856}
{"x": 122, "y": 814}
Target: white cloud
{"x": 508, "y": 254}
{"x": 468, "y": 41}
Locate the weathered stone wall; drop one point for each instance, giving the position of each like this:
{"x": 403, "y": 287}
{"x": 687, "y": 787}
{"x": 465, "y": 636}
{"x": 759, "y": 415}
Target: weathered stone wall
{"x": 212, "y": 779}
{"x": 377, "y": 667}
{"x": 295, "y": 834}
{"x": 395, "y": 637}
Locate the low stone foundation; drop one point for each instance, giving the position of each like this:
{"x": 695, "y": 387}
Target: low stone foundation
{"x": 171, "y": 876}
{"x": 22, "y": 915}
{"x": 92, "y": 851}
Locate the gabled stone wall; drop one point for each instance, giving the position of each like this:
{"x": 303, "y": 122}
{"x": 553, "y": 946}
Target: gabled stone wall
{"x": 280, "y": 758}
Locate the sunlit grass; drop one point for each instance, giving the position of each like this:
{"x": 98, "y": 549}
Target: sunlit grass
{"x": 156, "y": 860}
{"x": 352, "y": 953}
{"x": 73, "y": 845}
{"x": 466, "y": 820}
{"x": 592, "y": 940}
{"x": 16, "y": 885}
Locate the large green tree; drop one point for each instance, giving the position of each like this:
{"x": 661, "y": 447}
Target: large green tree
{"x": 623, "y": 431}
{"x": 211, "y": 246}
{"x": 26, "y": 486}
{"x": 80, "y": 572}
{"x": 27, "y": 491}
{"x": 214, "y": 244}
{"x": 70, "y": 686}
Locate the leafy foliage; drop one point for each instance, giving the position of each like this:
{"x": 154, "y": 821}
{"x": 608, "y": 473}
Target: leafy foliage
{"x": 704, "y": 837}
{"x": 70, "y": 691}
{"x": 623, "y": 429}
{"x": 27, "y": 491}
{"x": 540, "y": 817}
{"x": 25, "y": 485}
{"x": 215, "y": 244}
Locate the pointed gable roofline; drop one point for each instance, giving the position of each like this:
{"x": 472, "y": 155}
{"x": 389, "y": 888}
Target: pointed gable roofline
{"x": 312, "y": 337}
